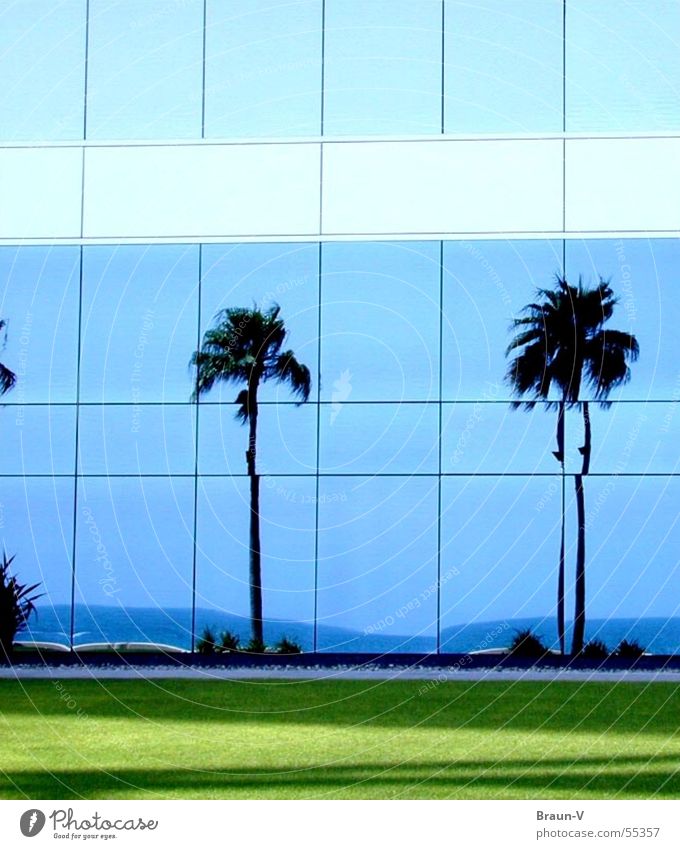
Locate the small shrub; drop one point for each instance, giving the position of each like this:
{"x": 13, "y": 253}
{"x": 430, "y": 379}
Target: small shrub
{"x": 286, "y": 646}
{"x": 229, "y": 641}
{"x": 595, "y": 650}
{"x": 256, "y": 647}
{"x": 527, "y": 644}
{"x": 207, "y": 642}
{"x": 629, "y": 649}
{"x": 17, "y": 604}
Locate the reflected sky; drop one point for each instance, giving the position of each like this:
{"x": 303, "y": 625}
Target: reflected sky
{"x": 387, "y": 67}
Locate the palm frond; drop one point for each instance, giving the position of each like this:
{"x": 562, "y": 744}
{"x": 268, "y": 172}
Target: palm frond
{"x": 7, "y": 379}
{"x": 287, "y": 369}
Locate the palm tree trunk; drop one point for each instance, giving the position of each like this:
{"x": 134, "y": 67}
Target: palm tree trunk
{"x": 580, "y": 585}
{"x": 559, "y": 454}
{"x": 255, "y": 548}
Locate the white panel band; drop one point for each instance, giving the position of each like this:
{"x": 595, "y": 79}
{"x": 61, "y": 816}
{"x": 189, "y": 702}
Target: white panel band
{"x": 401, "y": 189}
{"x": 40, "y": 193}
{"x": 623, "y": 184}
{"x": 448, "y": 187}
{"x": 201, "y": 190}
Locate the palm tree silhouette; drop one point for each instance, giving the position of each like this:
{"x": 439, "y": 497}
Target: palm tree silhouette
{"x": 7, "y": 377}
{"x": 244, "y": 346}
{"x": 561, "y": 342}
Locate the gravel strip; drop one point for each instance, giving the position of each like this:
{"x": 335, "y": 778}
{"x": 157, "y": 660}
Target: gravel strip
{"x": 365, "y": 673}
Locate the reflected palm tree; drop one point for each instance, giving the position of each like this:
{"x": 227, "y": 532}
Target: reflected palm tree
{"x": 7, "y": 377}
{"x": 245, "y": 347}
{"x": 561, "y": 342}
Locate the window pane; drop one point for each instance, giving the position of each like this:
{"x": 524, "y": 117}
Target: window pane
{"x": 137, "y": 439}
{"x": 500, "y": 552}
{"x": 38, "y": 440}
{"x": 286, "y": 440}
{"x": 623, "y": 65}
{"x": 37, "y": 528}
{"x": 287, "y": 507}
{"x": 643, "y": 275}
{"x": 379, "y": 438}
{"x": 39, "y": 294}
{"x": 627, "y": 438}
{"x": 42, "y": 70}
{"x": 492, "y": 438}
{"x": 377, "y": 564}
{"x": 382, "y": 68}
{"x": 263, "y": 68}
{"x": 632, "y": 539}
{"x": 380, "y": 321}
{"x": 265, "y": 274}
{"x": 486, "y": 284}
{"x": 145, "y": 72}
{"x": 134, "y": 556}
{"x": 503, "y": 69}
{"x": 140, "y": 311}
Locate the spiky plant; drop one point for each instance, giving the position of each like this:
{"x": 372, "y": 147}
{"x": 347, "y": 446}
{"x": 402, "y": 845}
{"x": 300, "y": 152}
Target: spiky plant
{"x": 17, "y": 605}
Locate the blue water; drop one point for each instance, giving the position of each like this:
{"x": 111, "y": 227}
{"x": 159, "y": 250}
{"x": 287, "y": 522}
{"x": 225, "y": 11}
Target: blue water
{"x": 173, "y": 627}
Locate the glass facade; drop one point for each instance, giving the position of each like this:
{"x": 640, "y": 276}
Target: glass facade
{"x": 404, "y": 501}
{"x": 406, "y": 506}
{"x": 303, "y": 68}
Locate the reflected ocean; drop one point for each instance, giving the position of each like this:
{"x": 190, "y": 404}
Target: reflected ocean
{"x": 172, "y": 627}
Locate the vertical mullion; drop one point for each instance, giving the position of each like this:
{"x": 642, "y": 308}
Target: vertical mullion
{"x": 439, "y": 447}
{"x": 564, "y": 119}
{"x": 196, "y": 443}
{"x": 318, "y": 457}
{"x": 322, "y": 113}
{"x": 85, "y": 91}
{"x": 322, "y": 108}
{"x": 75, "y": 459}
{"x": 323, "y": 66}
{"x": 563, "y": 498}
{"x": 205, "y": 24}
{"x": 443, "y": 103}
{"x": 87, "y": 67}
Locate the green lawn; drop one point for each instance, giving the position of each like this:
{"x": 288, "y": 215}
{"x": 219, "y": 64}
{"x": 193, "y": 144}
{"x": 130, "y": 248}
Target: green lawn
{"x": 349, "y": 739}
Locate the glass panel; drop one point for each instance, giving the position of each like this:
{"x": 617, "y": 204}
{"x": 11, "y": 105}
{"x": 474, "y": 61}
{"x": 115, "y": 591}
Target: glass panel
{"x": 137, "y": 439}
{"x": 265, "y": 274}
{"x": 42, "y": 70}
{"x": 382, "y": 70}
{"x": 627, "y": 438}
{"x": 287, "y": 507}
{"x": 503, "y": 70}
{"x": 134, "y": 556}
{"x": 623, "y": 65}
{"x": 263, "y": 68}
{"x": 38, "y": 440}
{"x": 36, "y": 527}
{"x": 632, "y": 540}
{"x": 140, "y": 311}
{"x": 379, "y": 438}
{"x": 145, "y": 75}
{"x": 380, "y": 321}
{"x": 492, "y": 438}
{"x": 39, "y": 290}
{"x": 286, "y": 441}
{"x": 486, "y": 284}
{"x": 500, "y": 555}
{"x": 642, "y": 273}
{"x": 377, "y": 564}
